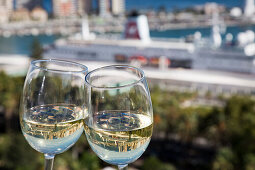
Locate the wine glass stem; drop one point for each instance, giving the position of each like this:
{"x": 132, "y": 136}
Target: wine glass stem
{"x": 49, "y": 159}
{"x": 123, "y": 167}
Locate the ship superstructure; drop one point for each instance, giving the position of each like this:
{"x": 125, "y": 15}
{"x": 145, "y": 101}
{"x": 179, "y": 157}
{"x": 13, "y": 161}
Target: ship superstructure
{"x": 136, "y": 44}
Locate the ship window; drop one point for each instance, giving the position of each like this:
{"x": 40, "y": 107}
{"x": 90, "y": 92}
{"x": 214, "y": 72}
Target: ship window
{"x": 86, "y": 54}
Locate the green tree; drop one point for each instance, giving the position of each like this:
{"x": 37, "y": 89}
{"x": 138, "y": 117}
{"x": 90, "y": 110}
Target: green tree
{"x": 213, "y": 126}
{"x": 240, "y": 127}
{"x": 36, "y": 50}
{"x": 10, "y": 89}
{"x": 250, "y": 161}
{"x": 153, "y": 163}
{"x": 86, "y": 161}
{"x": 224, "y": 160}
{"x": 15, "y": 153}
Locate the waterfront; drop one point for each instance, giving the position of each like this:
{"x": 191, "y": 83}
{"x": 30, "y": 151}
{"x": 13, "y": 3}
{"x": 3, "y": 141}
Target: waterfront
{"x": 22, "y": 44}
{"x": 182, "y": 33}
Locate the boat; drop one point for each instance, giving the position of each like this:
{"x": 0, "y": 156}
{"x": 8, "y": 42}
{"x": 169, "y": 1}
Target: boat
{"x": 135, "y": 46}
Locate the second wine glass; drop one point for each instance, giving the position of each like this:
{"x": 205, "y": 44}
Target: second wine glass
{"x": 120, "y": 117}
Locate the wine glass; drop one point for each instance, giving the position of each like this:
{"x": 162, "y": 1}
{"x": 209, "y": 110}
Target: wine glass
{"x": 119, "y": 121}
{"x": 52, "y": 106}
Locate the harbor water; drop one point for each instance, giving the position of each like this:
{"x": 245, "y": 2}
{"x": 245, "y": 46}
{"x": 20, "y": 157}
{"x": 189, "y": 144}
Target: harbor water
{"x": 22, "y": 44}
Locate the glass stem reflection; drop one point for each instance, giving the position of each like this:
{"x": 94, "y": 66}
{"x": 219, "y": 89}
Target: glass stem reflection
{"x": 49, "y": 159}
{"x": 123, "y": 167}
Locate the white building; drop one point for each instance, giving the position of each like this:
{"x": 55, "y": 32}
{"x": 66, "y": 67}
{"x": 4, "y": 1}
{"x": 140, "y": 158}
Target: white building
{"x": 39, "y": 14}
{"x": 118, "y": 7}
{"x": 7, "y": 4}
{"x": 6, "y": 7}
{"x": 4, "y": 17}
{"x": 78, "y": 6}
{"x": 104, "y": 8}
{"x": 249, "y": 8}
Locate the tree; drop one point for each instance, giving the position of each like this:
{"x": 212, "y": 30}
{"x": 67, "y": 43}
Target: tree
{"x": 153, "y": 162}
{"x": 10, "y": 89}
{"x": 36, "y": 50}
{"x": 224, "y": 159}
{"x": 240, "y": 127}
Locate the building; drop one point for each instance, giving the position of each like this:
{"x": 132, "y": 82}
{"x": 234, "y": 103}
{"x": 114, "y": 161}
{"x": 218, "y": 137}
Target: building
{"x": 64, "y": 8}
{"x": 21, "y": 14}
{"x": 28, "y": 4}
{"x": 104, "y": 8}
{"x": 78, "y": 6}
{"x": 4, "y": 16}
{"x": 87, "y": 6}
{"x": 118, "y": 7}
{"x": 6, "y": 7}
{"x": 67, "y": 8}
{"x": 7, "y": 4}
{"x": 21, "y": 3}
{"x": 39, "y": 14}
{"x": 108, "y": 7}
{"x": 249, "y": 8}
{"x": 212, "y": 8}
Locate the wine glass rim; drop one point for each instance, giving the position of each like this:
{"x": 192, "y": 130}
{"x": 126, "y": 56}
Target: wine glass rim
{"x": 115, "y": 66}
{"x": 83, "y": 67}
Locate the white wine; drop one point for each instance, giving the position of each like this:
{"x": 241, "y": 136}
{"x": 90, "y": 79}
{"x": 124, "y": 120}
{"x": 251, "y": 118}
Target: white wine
{"x": 52, "y": 129}
{"x": 118, "y": 138}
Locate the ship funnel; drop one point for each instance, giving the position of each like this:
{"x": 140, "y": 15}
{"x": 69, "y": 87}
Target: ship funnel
{"x": 137, "y": 28}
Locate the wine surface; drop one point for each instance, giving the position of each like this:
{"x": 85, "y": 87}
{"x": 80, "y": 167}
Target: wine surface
{"x": 52, "y": 129}
{"x": 118, "y": 138}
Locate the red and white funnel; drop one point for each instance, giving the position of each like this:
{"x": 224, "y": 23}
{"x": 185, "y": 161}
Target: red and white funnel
{"x": 137, "y": 28}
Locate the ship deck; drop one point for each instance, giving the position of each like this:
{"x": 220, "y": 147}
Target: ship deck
{"x": 136, "y": 43}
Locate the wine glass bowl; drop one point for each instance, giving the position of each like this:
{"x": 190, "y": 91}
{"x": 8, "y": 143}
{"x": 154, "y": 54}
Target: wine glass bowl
{"x": 52, "y": 105}
{"x": 52, "y": 129}
{"x": 119, "y": 122}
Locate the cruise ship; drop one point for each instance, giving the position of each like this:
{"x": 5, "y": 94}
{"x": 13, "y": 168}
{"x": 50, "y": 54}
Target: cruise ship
{"x": 135, "y": 46}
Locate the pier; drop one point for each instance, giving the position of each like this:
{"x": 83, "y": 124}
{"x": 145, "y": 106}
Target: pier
{"x": 202, "y": 81}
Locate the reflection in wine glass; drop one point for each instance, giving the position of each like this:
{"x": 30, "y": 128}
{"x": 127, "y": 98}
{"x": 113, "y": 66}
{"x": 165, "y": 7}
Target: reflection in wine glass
{"x": 120, "y": 117}
{"x": 52, "y": 106}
